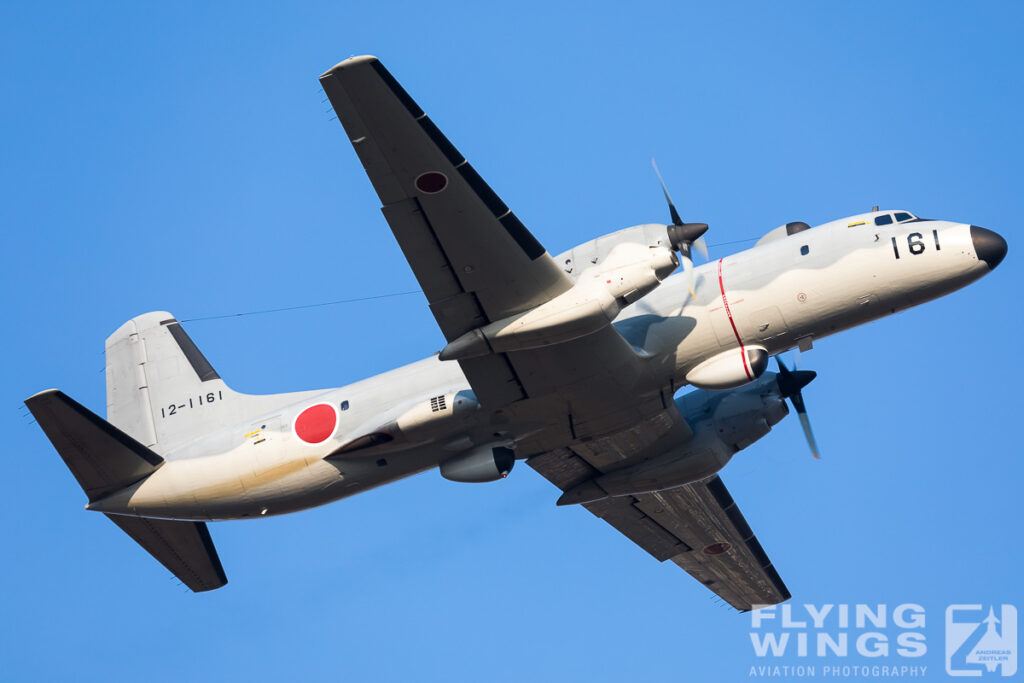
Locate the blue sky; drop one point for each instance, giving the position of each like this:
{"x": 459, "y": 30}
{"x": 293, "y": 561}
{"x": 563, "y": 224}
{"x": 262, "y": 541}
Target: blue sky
{"x": 180, "y": 157}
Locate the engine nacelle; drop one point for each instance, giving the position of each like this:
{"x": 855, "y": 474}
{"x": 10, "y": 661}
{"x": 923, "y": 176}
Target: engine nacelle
{"x": 487, "y": 463}
{"x": 730, "y": 369}
{"x": 722, "y": 422}
{"x": 629, "y": 272}
{"x": 580, "y": 258}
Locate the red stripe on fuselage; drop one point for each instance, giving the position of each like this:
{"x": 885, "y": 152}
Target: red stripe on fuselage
{"x": 728, "y": 312}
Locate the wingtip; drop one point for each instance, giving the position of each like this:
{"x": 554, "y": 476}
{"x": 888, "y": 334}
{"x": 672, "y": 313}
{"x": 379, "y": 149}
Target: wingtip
{"x": 348, "y": 64}
{"x": 42, "y": 394}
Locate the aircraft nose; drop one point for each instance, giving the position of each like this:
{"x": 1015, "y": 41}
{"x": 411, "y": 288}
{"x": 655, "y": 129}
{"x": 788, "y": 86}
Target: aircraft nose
{"x": 988, "y": 245}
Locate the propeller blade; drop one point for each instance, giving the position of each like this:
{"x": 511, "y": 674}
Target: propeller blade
{"x": 676, "y": 220}
{"x": 798, "y": 402}
{"x": 688, "y": 269}
{"x": 682, "y": 235}
{"x": 806, "y": 424}
{"x": 702, "y": 247}
{"x": 790, "y": 383}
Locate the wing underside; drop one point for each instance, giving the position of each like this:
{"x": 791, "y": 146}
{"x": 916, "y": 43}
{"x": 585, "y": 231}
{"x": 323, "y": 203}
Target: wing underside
{"x": 697, "y": 526}
{"x": 475, "y": 260}
{"x": 477, "y": 264}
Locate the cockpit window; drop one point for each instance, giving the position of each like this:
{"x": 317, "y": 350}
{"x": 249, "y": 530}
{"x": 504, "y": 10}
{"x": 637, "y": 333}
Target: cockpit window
{"x": 903, "y": 216}
{"x": 884, "y": 219}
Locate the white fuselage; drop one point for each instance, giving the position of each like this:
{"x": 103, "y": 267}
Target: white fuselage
{"x": 785, "y": 291}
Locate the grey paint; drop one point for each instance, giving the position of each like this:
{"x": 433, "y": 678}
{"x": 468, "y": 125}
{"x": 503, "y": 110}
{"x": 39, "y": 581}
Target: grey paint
{"x": 598, "y": 408}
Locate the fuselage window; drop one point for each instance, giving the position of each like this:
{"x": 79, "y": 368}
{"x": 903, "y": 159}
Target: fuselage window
{"x": 344, "y": 405}
{"x": 804, "y": 250}
{"x": 903, "y": 216}
{"x": 883, "y": 220}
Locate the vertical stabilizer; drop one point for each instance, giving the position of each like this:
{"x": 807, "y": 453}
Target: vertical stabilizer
{"x": 163, "y": 392}
{"x": 160, "y": 388}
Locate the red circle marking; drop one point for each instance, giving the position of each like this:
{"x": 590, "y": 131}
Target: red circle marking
{"x": 716, "y": 548}
{"x": 431, "y": 182}
{"x": 316, "y": 423}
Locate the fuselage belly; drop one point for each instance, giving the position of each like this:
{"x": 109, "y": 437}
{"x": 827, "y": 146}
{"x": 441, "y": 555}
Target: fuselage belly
{"x": 784, "y": 292}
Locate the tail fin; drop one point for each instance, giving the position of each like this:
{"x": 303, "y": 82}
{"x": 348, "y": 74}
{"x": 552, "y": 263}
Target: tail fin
{"x": 104, "y": 459}
{"x": 163, "y": 392}
{"x": 160, "y": 387}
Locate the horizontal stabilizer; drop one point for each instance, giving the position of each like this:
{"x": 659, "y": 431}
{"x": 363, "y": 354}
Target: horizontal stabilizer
{"x": 102, "y": 457}
{"x": 185, "y": 548}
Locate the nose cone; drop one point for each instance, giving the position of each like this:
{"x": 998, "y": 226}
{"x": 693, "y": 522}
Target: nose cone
{"x": 989, "y": 246}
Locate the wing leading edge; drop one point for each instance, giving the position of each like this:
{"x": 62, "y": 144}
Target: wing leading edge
{"x": 475, "y": 260}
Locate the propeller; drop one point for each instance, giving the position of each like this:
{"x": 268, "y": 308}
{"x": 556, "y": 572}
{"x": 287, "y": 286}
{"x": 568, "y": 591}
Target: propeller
{"x": 683, "y": 235}
{"x": 790, "y": 383}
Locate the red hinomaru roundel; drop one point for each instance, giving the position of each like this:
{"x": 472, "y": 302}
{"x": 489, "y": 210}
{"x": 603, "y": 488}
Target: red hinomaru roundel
{"x": 717, "y": 548}
{"x": 316, "y": 423}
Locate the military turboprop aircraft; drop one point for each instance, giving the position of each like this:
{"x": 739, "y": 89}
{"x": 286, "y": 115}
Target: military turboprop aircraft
{"x": 571, "y": 363}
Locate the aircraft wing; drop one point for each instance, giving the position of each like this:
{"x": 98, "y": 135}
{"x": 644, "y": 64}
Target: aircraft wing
{"x": 476, "y": 262}
{"x": 697, "y": 526}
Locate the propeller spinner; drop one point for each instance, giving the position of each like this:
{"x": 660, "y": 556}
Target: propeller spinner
{"x": 790, "y": 383}
{"x": 683, "y": 235}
